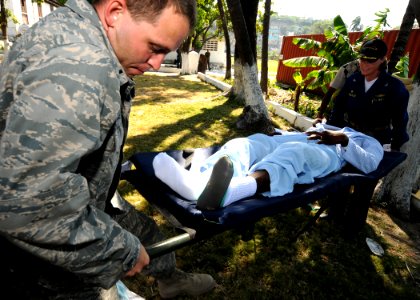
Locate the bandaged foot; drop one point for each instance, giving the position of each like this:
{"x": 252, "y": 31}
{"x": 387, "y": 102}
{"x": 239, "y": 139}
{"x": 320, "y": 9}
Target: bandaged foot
{"x": 218, "y": 191}
{"x": 216, "y": 187}
{"x": 222, "y": 189}
{"x": 187, "y": 184}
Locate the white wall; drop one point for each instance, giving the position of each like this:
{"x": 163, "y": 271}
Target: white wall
{"x": 170, "y": 57}
{"x": 32, "y": 11}
{"x": 216, "y": 57}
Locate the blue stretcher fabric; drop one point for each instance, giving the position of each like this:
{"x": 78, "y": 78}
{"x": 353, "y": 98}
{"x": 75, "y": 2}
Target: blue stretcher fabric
{"x": 248, "y": 210}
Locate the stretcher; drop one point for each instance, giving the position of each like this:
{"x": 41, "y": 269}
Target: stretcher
{"x": 199, "y": 225}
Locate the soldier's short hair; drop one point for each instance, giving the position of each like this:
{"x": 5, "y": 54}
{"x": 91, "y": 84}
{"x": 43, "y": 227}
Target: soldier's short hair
{"x": 151, "y": 9}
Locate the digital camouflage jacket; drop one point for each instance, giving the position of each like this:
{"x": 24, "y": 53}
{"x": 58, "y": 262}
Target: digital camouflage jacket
{"x": 64, "y": 108}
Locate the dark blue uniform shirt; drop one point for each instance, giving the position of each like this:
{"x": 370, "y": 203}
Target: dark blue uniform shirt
{"x": 380, "y": 112}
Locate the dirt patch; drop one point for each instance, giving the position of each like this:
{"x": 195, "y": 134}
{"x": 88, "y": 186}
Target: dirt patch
{"x": 280, "y": 95}
{"x": 399, "y": 238}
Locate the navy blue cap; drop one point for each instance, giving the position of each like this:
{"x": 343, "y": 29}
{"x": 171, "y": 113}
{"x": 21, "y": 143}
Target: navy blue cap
{"x": 373, "y": 49}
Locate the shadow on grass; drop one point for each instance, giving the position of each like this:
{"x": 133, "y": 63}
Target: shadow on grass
{"x": 187, "y": 130}
{"x": 319, "y": 265}
{"x": 167, "y": 89}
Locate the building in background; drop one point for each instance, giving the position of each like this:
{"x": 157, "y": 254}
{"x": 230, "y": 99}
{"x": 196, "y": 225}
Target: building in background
{"x": 27, "y": 12}
{"x": 217, "y": 49}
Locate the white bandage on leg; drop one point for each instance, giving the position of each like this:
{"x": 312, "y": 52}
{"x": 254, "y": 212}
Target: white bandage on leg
{"x": 240, "y": 188}
{"x": 187, "y": 184}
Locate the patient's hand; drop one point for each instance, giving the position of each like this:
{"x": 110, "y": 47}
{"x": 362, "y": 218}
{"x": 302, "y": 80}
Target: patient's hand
{"x": 274, "y": 133}
{"x": 328, "y": 137}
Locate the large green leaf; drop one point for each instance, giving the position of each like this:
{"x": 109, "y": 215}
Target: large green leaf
{"x": 403, "y": 66}
{"x": 306, "y": 44}
{"x": 328, "y": 59}
{"x": 339, "y": 25}
{"x": 304, "y": 62}
{"x": 329, "y": 75}
{"x": 329, "y": 34}
{"x": 297, "y": 76}
{"x": 313, "y": 74}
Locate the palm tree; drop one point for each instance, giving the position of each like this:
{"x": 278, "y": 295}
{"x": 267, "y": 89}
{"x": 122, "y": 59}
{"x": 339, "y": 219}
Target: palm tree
{"x": 246, "y": 87}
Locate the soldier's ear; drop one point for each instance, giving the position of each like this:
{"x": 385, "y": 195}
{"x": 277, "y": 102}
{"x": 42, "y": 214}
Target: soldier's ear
{"x": 114, "y": 11}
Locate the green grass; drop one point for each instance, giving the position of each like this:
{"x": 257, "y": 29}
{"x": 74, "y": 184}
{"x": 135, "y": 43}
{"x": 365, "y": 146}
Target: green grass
{"x": 175, "y": 113}
{"x": 177, "y": 119}
{"x": 272, "y": 66}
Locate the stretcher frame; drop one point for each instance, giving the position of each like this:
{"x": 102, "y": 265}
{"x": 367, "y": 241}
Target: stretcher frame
{"x": 199, "y": 225}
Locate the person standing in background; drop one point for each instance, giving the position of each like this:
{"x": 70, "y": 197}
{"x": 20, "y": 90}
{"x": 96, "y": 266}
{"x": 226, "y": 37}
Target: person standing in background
{"x": 207, "y": 54}
{"x": 372, "y": 101}
{"x": 344, "y": 72}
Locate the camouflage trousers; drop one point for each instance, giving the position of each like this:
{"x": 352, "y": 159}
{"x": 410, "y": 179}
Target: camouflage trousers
{"x": 26, "y": 277}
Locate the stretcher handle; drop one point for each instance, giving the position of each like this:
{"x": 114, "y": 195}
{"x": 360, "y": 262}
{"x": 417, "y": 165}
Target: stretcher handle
{"x": 169, "y": 245}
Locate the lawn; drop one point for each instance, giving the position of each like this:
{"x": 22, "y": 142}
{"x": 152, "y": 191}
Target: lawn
{"x": 272, "y": 67}
{"x": 181, "y": 112}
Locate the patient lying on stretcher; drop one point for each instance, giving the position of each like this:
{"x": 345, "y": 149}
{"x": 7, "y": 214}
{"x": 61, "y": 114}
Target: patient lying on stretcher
{"x": 270, "y": 165}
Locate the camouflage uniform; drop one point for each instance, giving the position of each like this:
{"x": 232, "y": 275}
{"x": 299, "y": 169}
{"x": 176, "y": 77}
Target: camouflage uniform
{"x": 65, "y": 102}
{"x": 343, "y": 73}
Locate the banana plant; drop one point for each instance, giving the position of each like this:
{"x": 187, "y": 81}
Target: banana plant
{"x": 403, "y": 66}
{"x": 300, "y": 85}
{"x": 334, "y": 52}
{"x": 402, "y": 70}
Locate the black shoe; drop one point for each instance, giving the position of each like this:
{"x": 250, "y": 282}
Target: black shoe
{"x": 182, "y": 283}
{"x": 212, "y": 196}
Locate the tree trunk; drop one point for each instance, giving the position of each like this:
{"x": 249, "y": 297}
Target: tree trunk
{"x": 246, "y": 87}
{"x": 403, "y": 35}
{"x": 264, "y": 47}
{"x": 228, "y": 71}
{"x": 397, "y": 187}
{"x": 250, "y": 14}
{"x": 298, "y": 91}
{"x": 185, "y": 49}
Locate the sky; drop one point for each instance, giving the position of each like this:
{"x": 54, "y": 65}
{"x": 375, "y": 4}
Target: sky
{"x": 347, "y": 9}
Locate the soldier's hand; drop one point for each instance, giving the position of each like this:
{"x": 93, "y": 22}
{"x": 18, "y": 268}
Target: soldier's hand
{"x": 329, "y": 137}
{"x": 142, "y": 261}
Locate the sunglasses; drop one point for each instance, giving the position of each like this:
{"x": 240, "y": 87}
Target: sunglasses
{"x": 369, "y": 60}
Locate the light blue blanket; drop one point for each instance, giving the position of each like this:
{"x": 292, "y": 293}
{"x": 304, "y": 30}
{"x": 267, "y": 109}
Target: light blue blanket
{"x": 293, "y": 159}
